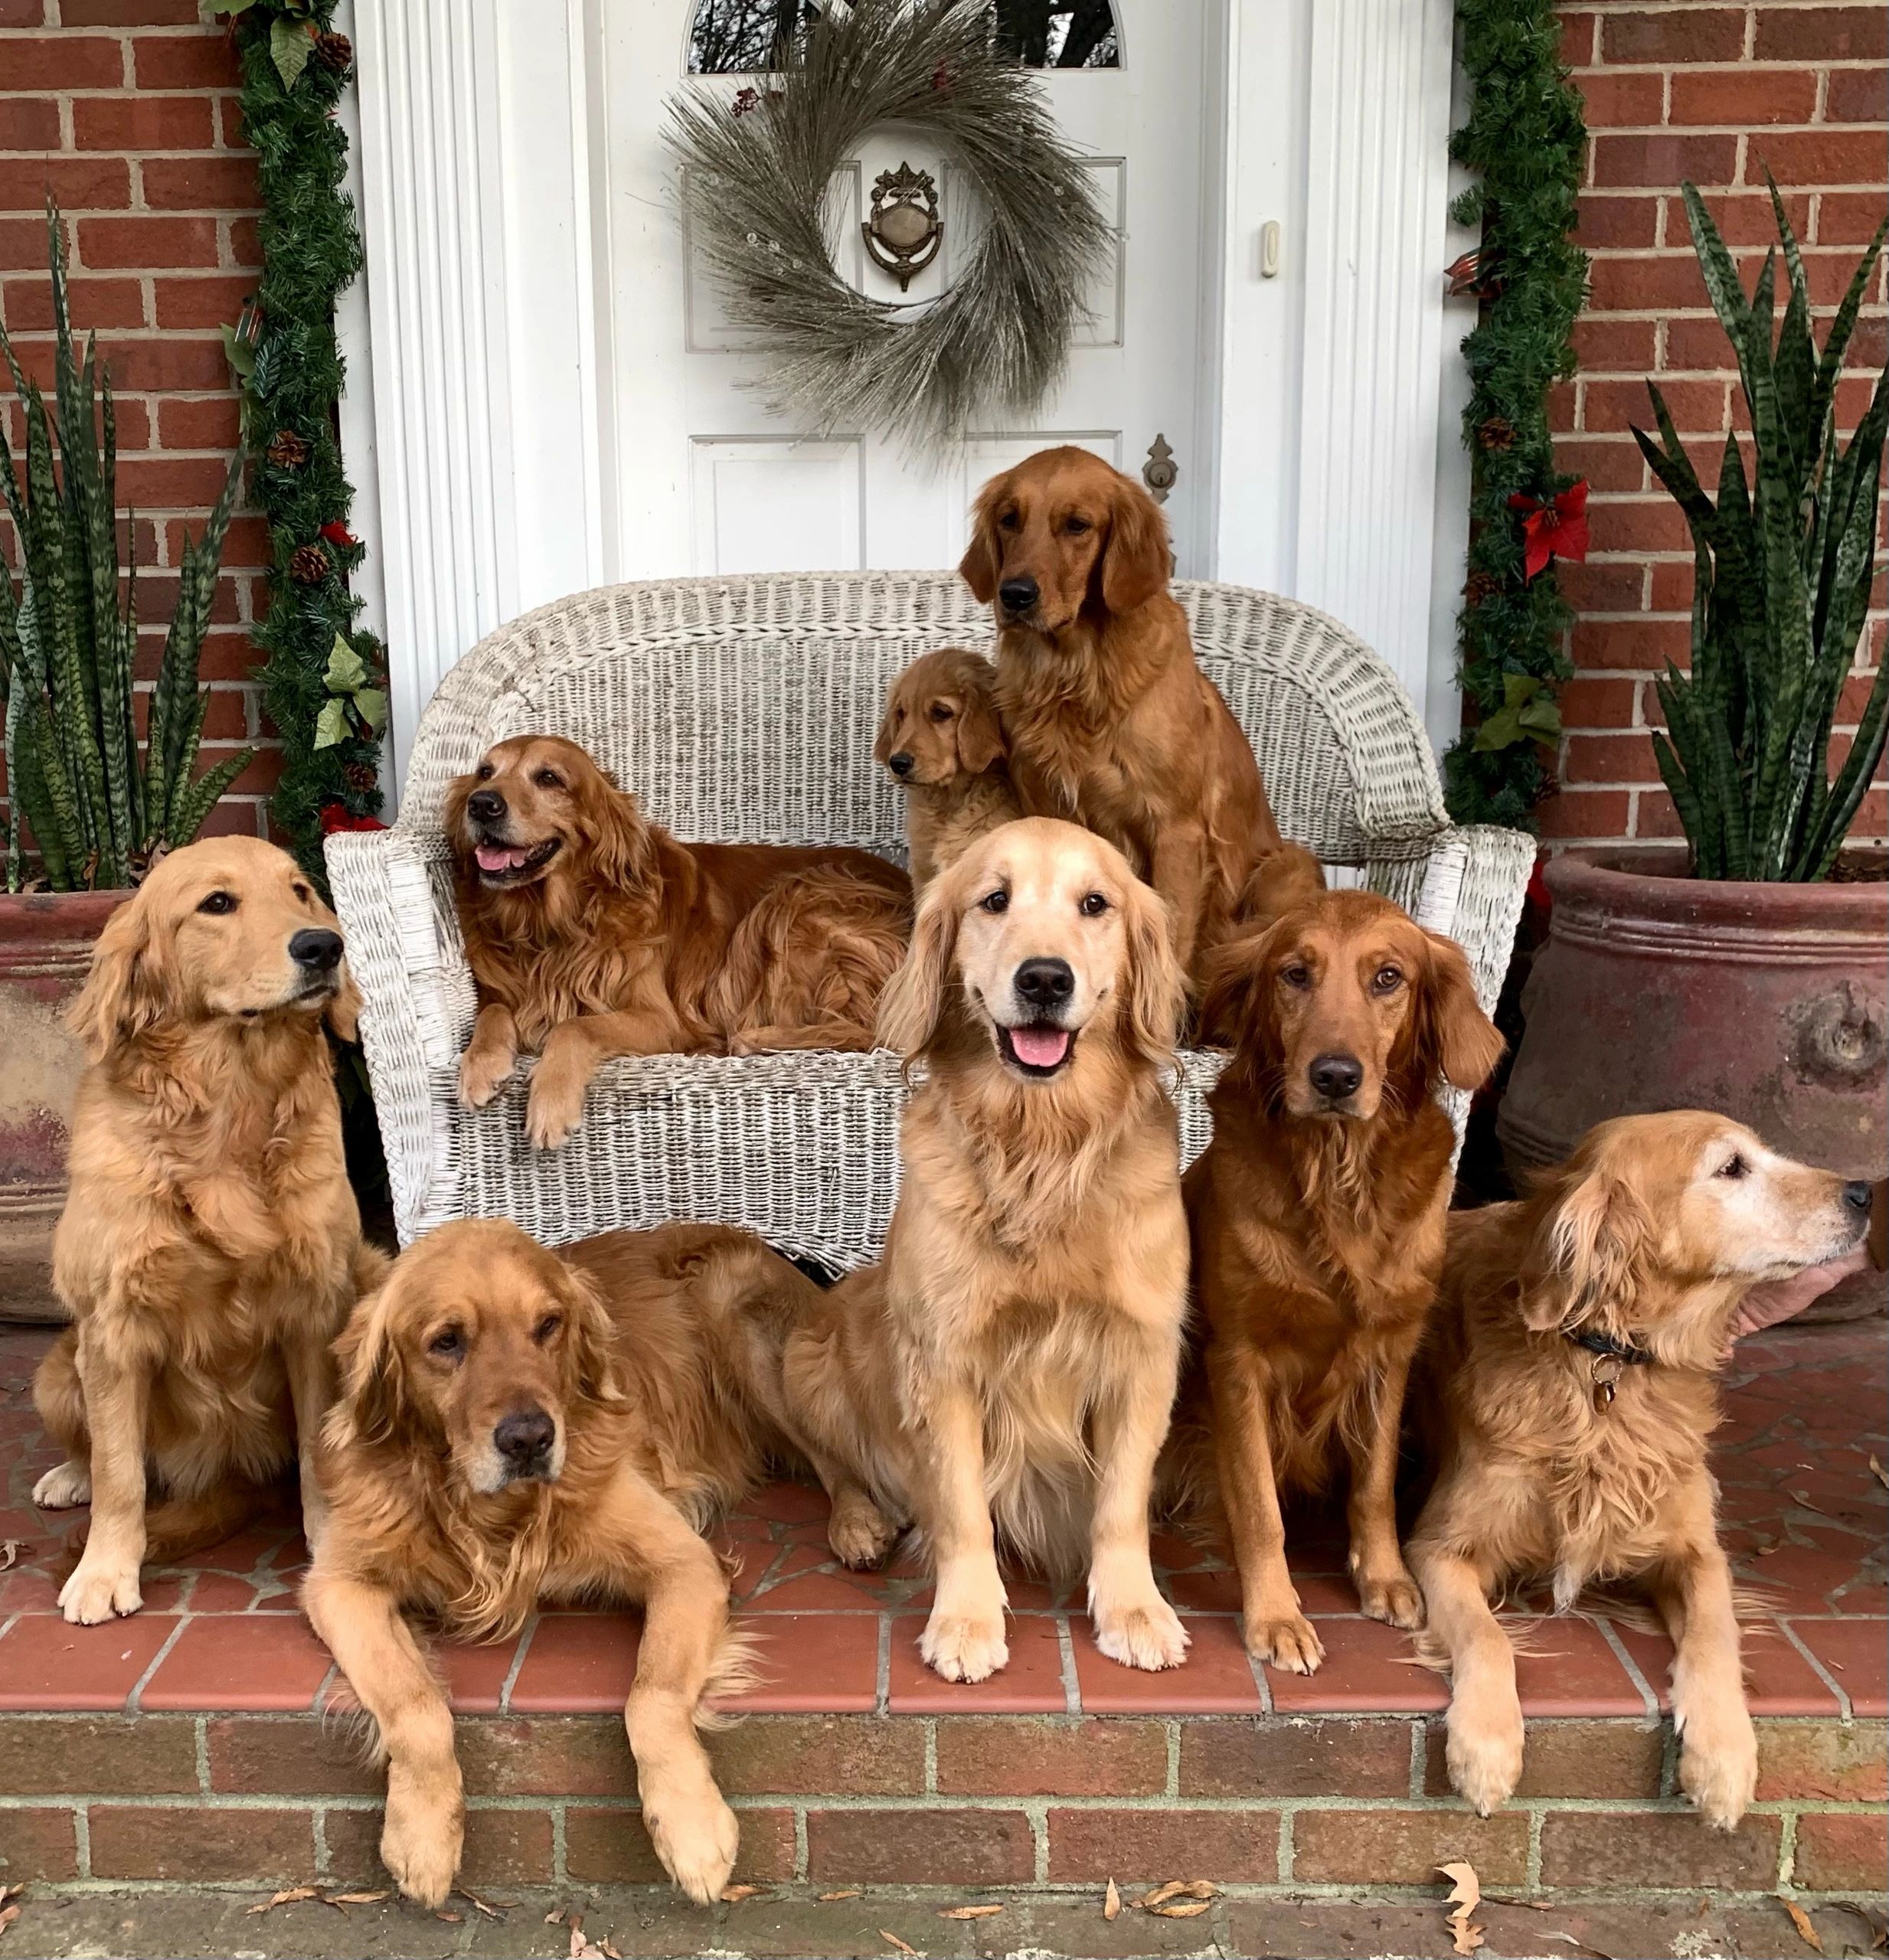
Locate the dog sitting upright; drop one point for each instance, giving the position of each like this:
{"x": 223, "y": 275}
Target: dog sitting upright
{"x": 942, "y": 741}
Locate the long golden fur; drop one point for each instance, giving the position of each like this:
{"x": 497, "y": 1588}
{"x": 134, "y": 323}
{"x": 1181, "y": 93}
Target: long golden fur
{"x": 210, "y": 1246}
{"x": 592, "y": 932}
{"x": 1317, "y": 1213}
{"x": 941, "y": 741}
{"x": 1015, "y": 1355}
{"x": 1648, "y": 1237}
{"x": 516, "y": 1427}
{"x": 1110, "y": 722}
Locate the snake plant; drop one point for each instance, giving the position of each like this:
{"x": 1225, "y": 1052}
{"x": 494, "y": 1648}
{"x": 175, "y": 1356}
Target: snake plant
{"x": 68, "y": 653}
{"x": 1783, "y": 568}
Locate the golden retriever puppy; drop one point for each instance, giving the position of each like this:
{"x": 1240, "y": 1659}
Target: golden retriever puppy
{"x": 516, "y": 1427}
{"x": 1573, "y": 1380}
{"x": 211, "y": 1247}
{"x": 1014, "y": 1357}
{"x": 944, "y": 746}
{"x": 1110, "y": 722}
{"x": 1317, "y": 1212}
{"x": 591, "y": 932}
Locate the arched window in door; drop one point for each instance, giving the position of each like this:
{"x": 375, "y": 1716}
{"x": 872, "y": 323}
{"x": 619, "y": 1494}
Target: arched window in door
{"x": 743, "y": 36}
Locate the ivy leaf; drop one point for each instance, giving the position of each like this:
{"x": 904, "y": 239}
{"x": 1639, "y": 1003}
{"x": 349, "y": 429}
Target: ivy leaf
{"x": 290, "y": 46}
{"x": 232, "y": 7}
{"x": 1519, "y": 689}
{"x": 239, "y": 353}
{"x": 1542, "y": 718}
{"x": 346, "y": 670}
{"x": 371, "y": 704}
{"x": 331, "y": 725}
{"x": 1502, "y": 730}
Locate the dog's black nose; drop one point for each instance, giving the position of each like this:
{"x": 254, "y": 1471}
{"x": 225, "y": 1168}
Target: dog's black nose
{"x": 525, "y": 1435}
{"x": 315, "y": 948}
{"x": 900, "y": 764}
{"x": 1018, "y": 595}
{"x": 1044, "y": 983}
{"x": 1856, "y": 1195}
{"x": 1336, "y": 1075}
{"x": 486, "y": 805}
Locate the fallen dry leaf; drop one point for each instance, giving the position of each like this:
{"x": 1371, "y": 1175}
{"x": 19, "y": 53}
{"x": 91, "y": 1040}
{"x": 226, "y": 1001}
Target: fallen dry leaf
{"x": 355, "y": 1898}
{"x": 578, "y": 1942}
{"x": 10, "y": 1892}
{"x": 450, "y": 1918}
{"x": 609, "y": 1951}
{"x": 1801, "y": 1920}
{"x": 1182, "y": 1908}
{"x": 8, "y": 1915}
{"x": 288, "y": 1898}
{"x": 831, "y": 1898}
{"x": 490, "y": 1911}
{"x": 556, "y": 1919}
{"x": 1465, "y": 1894}
{"x": 893, "y": 1939}
{"x": 733, "y": 1894}
{"x": 970, "y": 1911}
{"x": 1176, "y": 1888}
{"x": 1111, "y": 1903}
{"x": 1882, "y": 1476}
{"x": 11, "y": 1549}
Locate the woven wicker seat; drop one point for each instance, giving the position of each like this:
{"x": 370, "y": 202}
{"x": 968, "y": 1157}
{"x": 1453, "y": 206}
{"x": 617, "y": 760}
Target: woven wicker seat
{"x": 745, "y": 710}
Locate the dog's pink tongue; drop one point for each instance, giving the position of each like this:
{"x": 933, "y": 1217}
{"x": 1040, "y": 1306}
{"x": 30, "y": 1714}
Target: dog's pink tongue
{"x": 1040, "y": 1047}
{"x": 498, "y": 857}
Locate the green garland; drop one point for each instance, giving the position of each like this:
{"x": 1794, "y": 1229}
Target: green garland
{"x": 1526, "y": 137}
{"x": 323, "y": 680}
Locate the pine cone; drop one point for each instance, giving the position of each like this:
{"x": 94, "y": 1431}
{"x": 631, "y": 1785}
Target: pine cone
{"x": 286, "y": 450}
{"x": 335, "y": 52}
{"x": 1497, "y": 435}
{"x": 1481, "y": 585}
{"x": 309, "y": 565}
{"x": 359, "y": 777}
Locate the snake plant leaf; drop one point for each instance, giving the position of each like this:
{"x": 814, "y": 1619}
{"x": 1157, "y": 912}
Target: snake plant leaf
{"x": 1830, "y": 364}
{"x": 206, "y": 792}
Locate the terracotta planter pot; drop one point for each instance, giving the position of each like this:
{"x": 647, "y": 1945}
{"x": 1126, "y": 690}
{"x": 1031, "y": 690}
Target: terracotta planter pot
{"x": 1657, "y": 991}
{"x": 46, "y": 940}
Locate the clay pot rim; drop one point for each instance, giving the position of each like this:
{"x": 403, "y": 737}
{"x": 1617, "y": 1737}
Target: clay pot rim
{"x": 1658, "y": 882}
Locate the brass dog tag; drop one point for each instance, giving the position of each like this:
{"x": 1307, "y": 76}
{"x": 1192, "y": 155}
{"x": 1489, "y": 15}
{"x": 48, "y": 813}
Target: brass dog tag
{"x": 1606, "y": 1380}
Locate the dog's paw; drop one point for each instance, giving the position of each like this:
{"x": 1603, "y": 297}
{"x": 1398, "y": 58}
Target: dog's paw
{"x": 1289, "y": 1641}
{"x": 1146, "y": 1634}
{"x": 62, "y": 1487}
{"x": 860, "y": 1533}
{"x": 1718, "y": 1768}
{"x": 964, "y": 1647}
{"x": 1483, "y": 1755}
{"x": 552, "y": 1110}
{"x": 697, "y": 1839}
{"x": 1395, "y": 1599}
{"x": 482, "y": 1076}
{"x": 99, "y": 1589}
{"x": 422, "y": 1838}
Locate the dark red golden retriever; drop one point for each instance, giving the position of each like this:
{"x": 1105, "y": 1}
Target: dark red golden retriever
{"x": 1317, "y": 1216}
{"x": 1111, "y": 724}
{"x": 592, "y": 932}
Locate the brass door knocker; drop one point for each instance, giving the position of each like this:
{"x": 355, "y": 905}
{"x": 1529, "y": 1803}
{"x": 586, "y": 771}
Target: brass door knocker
{"x": 904, "y": 231}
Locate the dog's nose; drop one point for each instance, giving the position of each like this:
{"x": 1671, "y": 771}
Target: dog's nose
{"x": 1018, "y": 595}
{"x": 1856, "y": 1196}
{"x": 901, "y": 763}
{"x": 315, "y": 948}
{"x": 525, "y": 1435}
{"x": 486, "y": 805}
{"x": 1044, "y": 983}
{"x": 1336, "y": 1075}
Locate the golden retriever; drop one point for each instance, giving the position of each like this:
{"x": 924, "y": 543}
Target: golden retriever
{"x": 944, "y": 746}
{"x": 591, "y": 932}
{"x": 1110, "y": 722}
{"x": 513, "y": 1427}
{"x": 1572, "y": 1376}
{"x": 1317, "y": 1213}
{"x": 210, "y": 1246}
{"x": 1016, "y": 1353}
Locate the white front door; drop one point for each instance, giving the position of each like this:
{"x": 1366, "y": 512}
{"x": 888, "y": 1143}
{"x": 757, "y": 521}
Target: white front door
{"x": 700, "y": 477}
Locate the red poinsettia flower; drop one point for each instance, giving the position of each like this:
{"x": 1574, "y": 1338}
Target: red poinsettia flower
{"x": 1556, "y": 530}
{"x": 746, "y": 101}
{"x": 339, "y": 534}
{"x": 338, "y": 817}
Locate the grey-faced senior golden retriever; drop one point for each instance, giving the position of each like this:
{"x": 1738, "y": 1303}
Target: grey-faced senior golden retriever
{"x": 516, "y": 1426}
{"x": 1579, "y": 1333}
{"x": 210, "y": 1246}
{"x": 1010, "y": 1368}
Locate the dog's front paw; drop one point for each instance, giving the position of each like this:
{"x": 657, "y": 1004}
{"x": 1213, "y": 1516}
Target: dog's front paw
{"x": 1287, "y": 1641}
{"x": 422, "y": 1836}
{"x": 1483, "y": 1754}
{"x": 1393, "y": 1598}
{"x": 696, "y": 1838}
{"x": 964, "y": 1647}
{"x": 553, "y": 1109}
{"x": 1718, "y": 1766}
{"x": 859, "y": 1532}
{"x": 482, "y": 1073}
{"x": 98, "y": 1588}
{"x": 63, "y": 1486}
{"x": 1145, "y": 1633}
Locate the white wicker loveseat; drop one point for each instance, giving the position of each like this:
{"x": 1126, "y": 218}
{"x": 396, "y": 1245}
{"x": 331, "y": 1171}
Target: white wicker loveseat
{"x": 745, "y": 710}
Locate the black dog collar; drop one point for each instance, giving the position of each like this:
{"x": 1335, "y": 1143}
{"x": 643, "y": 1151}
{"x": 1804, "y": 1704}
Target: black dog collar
{"x": 1610, "y": 1357}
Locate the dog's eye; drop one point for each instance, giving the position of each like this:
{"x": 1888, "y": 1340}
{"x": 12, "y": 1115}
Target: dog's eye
{"x": 997, "y": 901}
{"x": 547, "y": 1326}
{"x": 302, "y": 893}
{"x": 547, "y": 779}
{"x": 1387, "y": 980}
{"x": 485, "y": 771}
{"x": 941, "y": 710}
{"x": 1734, "y": 1166}
{"x": 449, "y": 1343}
{"x": 1008, "y": 521}
{"x": 1077, "y": 527}
{"x": 1297, "y": 974}
{"x": 1092, "y": 905}
{"x": 218, "y": 902}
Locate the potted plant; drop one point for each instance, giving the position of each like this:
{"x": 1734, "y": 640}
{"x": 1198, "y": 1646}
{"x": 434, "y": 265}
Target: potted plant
{"x": 1748, "y": 973}
{"x": 85, "y": 815}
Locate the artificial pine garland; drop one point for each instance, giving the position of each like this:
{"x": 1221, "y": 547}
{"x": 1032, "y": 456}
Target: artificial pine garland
{"x": 323, "y": 679}
{"x": 1526, "y": 137}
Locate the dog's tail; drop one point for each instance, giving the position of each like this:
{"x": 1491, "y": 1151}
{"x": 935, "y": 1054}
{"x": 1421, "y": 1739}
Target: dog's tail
{"x": 180, "y": 1526}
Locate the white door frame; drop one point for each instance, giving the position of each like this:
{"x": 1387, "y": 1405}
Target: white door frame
{"x": 472, "y": 422}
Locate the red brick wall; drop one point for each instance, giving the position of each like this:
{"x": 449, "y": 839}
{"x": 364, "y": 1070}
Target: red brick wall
{"x": 1697, "y": 88}
{"x": 127, "y": 109}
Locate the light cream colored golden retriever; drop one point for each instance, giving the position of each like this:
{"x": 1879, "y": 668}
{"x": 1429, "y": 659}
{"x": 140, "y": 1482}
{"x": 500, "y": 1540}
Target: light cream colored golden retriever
{"x": 1580, "y": 1334}
{"x": 1011, "y": 1367}
{"x": 211, "y": 1247}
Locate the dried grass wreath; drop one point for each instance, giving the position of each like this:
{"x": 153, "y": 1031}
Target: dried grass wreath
{"x": 758, "y": 174}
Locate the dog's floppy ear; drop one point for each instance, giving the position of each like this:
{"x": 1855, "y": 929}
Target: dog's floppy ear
{"x": 1236, "y": 1001}
{"x": 1588, "y": 1255}
{"x": 882, "y": 742}
{"x": 1455, "y": 1038}
{"x": 1136, "y": 559}
{"x": 982, "y": 564}
{"x": 912, "y": 1004}
{"x": 372, "y": 1404}
{"x": 591, "y": 1334}
{"x": 1154, "y": 996}
{"x": 621, "y": 846}
{"x": 126, "y": 989}
{"x": 981, "y": 739}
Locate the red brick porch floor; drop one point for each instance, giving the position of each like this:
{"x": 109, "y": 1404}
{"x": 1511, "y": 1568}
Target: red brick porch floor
{"x": 184, "y": 1745}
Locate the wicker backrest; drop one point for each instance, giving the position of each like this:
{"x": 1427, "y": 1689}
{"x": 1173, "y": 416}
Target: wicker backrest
{"x": 744, "y": 709}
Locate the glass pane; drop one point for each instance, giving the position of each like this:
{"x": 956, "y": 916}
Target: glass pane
{"x": 743, "y": 36}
